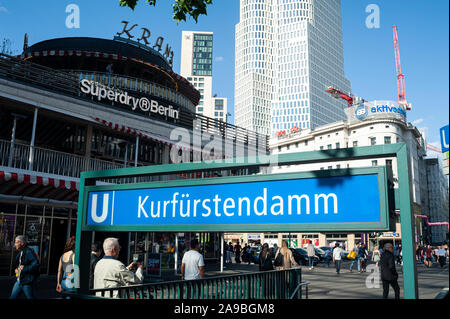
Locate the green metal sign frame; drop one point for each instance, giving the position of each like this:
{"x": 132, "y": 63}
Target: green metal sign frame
{"x": 88, "y": 183}
{"x": 380, "y": 171}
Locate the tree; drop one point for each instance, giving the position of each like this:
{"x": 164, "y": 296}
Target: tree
{"x": 181, "y": 8}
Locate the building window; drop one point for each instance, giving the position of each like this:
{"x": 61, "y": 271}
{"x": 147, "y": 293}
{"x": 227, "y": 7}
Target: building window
{"x": 374, "y": 163}
{"x": 387, "y": 140}
{"x": 338, "y": 145}
{"x": 373, "y": 140}
{"x": 321, "y": 148}
{"x": 306, "y": 143}
{"x": 355, "y": 143}
{"x": 338, "y": 166}
{"x": 218, "y": 105}
{"x": 329, "y": 146}
{"x": 330, "y": 167}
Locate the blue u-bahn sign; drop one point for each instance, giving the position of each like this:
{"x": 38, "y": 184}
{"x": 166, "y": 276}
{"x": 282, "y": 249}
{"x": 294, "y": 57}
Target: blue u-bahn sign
{"x": 294, "y": 201}
{"x": 444, "y": 134}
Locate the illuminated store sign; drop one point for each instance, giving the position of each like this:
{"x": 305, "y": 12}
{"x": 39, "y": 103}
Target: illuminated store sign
{"x": 144, "y": 104}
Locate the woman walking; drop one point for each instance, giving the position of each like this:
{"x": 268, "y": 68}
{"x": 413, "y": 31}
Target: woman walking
{"x": 65, "y": 279}
{"x": 287, "y": 262}
{"x": 376, "y": 256}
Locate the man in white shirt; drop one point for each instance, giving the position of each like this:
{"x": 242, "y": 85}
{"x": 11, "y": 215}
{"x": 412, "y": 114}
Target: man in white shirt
{"x": 110, "y": 272}
{"x": 192, "y": 265}
{"x": 337, "y": 257}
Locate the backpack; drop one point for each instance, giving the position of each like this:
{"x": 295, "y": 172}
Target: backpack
{"x": 278, "y": 260}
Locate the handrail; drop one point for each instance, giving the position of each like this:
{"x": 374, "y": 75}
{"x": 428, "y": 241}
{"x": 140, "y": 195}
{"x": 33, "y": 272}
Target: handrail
{"x": 298, "y": 288}
{"x": 276, "y": 284}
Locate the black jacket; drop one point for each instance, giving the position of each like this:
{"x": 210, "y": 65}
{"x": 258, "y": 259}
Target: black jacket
{"x": 94, "y": 260}
{"x": 30, "y": 262}
{"x": 265, "y": 264}
{"x": 388, "y": 271}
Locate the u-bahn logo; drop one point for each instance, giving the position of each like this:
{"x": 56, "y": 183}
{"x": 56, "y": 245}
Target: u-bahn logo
{"x": 101, "y": 208}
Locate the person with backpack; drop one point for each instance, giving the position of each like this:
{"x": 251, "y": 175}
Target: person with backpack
{"x": 284, "y": 259}
{"x": 362, "y": 255}
{"x": 27, "y": 271}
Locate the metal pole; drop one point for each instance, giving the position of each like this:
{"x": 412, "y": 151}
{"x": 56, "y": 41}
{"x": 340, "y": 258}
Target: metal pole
{"x": 33, "y": 135}
{"x": 136, "y": 154}
{"x": 410, "y": 285}
{"x": 221, "y": 252}
{"x": 176, "y": 253}
{"x": 13, "y": 140}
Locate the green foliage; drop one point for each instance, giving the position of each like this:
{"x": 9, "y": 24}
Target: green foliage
{"x": 181, "y": 8}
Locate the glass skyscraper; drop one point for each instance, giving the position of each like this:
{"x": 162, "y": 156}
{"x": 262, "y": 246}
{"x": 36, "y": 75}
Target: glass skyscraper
{"x": 287, "y": 53}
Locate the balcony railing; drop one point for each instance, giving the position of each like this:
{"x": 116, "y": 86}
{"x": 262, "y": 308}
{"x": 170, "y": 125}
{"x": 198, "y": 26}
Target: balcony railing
{"x": 49, "y": 161}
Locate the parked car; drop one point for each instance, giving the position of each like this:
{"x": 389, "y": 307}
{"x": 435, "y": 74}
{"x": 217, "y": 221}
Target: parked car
{"x": 254, "y": 253}
{"x": 301, "y": 256}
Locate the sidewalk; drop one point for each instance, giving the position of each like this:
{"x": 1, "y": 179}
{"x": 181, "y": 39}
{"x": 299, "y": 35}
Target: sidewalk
{"x": 324, "y": 282}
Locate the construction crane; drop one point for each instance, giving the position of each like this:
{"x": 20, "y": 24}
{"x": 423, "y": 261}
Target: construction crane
{"x": 340, "y": 95}
{"x": 400, "y": 76}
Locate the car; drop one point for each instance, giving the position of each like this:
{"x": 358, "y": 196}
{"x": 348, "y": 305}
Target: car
{"x": 320, "y": 253}
{"x": 301, "y": 256}
{"x": 254, "y": 254}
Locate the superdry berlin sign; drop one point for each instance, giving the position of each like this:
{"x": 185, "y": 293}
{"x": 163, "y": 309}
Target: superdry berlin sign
{"x": 144, "y": 104}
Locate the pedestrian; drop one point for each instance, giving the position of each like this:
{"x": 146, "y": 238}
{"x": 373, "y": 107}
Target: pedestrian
{"x": 246, "y": 254}
{"x": 112, "y": 273}
{"x": 362, "y": 255}
{"x": 337, "y": 258}
{"x": 96, "y": 253}
{"x": 328, "y": 256}
{"x": 193, "y": 265}
{"x": 287, "y": 258}
{"x": 27, "y": 270}
{"x": 376, "y": 256}
{"x": 230, "y": 253}
{"x": 311, "y": 254}
{"x": 156, "y": 247}
{"x": 265, "y": 259}
{"x": 428, "y": 257}
{"x": 66, "y": 268}
{"x": 424, "y": 253}
{"x": 418, "y": 250}
{"x": 442, "y": 256}
{"x": 237, "y": 253}
{"x": 356, "y": 259}
{"x": 275, "y": 249}
{"x": 399, "y": 254}
{"x": 389, "y": 274}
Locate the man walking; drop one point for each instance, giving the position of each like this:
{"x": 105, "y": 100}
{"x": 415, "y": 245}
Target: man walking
{"x": 389, "y": 274}
{"x": 96, "y": 252}
{"x": 311, "y": 253}
{"x": 193, "y": 265}
{"x": 337, "y": 257}
{"x": 27, "y": 270}
{"x": 356, "y": 250}
{"x": 442, "y": 256}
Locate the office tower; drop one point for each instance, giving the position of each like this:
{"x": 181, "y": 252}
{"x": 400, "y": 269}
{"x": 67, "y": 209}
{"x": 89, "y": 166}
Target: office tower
{"x": 287, "y": 53}
{"x": 196, "y": 67}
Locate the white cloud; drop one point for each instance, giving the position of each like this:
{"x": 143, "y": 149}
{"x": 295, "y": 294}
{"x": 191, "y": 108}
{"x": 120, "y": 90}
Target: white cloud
{"x": 418, "y": 121}
{"x": 3, "y": 9}
{"x": 219, "y": 59}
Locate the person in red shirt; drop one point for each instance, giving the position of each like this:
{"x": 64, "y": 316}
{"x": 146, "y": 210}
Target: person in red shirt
{"x": 429, "y": 257}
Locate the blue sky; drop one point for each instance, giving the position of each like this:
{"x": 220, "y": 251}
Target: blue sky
{"x": 369, "y": 53}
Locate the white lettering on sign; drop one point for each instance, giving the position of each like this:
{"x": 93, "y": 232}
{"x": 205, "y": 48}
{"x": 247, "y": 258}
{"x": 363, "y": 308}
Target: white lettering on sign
{"x": 183, "y": 206}
{"x": 105, "y": 93}
{"x": 94, "y": 215}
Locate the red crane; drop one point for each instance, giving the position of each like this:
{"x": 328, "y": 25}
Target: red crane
{"x": 338, "y": 94}
{"x": 400, "y": 76}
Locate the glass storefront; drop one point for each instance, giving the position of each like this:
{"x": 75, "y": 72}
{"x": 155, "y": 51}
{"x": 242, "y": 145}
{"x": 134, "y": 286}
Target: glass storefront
{"x": 46, "y": 229}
